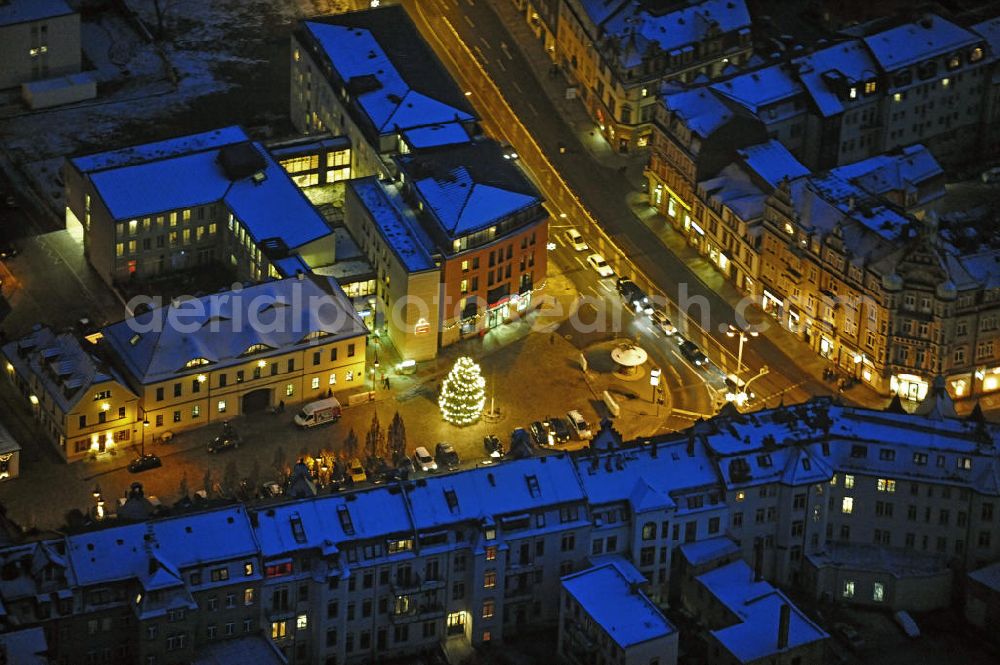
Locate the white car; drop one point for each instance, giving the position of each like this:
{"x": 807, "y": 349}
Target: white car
{"x": 579, "y": 426}
{"x": 424, "y": 460}
{"x": 575, "y": 240}
{"x": 598, "y": 263}
{"x": 661, "y": 321}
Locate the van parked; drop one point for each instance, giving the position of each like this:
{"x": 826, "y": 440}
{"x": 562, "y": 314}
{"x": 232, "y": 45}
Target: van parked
{"x": 318, "y": 413}
{"x": 579, "y": 426}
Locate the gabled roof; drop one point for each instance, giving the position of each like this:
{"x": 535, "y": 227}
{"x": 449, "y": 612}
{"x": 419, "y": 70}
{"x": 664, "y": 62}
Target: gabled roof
{"x": 849, "y": 60}
{"x": 59, "y": 362}
{"x": 463, "y": 205}
{"x": 216, "y": 329}
{"x": 772, "y": 161}
{"x": 914, "y": 42}
{"x": 761, "y": 87}
{"x": 903, "y": 170}
{"x": 23, "y": 11}
{"x": 700, "y": 108}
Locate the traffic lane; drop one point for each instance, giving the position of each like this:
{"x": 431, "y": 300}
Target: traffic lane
{"x": 663, "y": 267}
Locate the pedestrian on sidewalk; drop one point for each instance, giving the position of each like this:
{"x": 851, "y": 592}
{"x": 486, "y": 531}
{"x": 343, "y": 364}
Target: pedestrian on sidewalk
{"x": 386, "y": 383}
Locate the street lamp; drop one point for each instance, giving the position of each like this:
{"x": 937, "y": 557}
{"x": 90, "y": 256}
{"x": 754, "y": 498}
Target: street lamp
{"x": 654, "y": 381}
{"x": 374, "y": 370}
{"x": 743, "y": 335}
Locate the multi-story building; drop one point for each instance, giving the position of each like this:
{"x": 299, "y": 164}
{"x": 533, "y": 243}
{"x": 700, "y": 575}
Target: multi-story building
{"x": 201, "y": 360}
{"x": 215, "y": 197}
{"x": 314, "y": 160}
{"x": 459, "y": 244}
{"x": 371, "y": 77}
{"x": 620, "y": 53}
{"x": 859, "y": 506}
{"x": 604, "y": 617}
{"x": 83, "y": 405}
{"x": 38, "y": 40}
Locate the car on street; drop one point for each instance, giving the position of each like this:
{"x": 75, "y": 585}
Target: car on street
{"x": 405, "y": 467}
{"x": 144, "y": 463}
{"x": 598, "y": 263}
{"x": 228, "y": 440}
{"x": 270, "y": 489}
{"x": 540, "y": 433}
{"x": 559, "y": 428}
{"x": 850, "y": 635}
{"x": 578, "y": 426}
{"x": 575, "y": 240}
{"x": 693, "y": 354}
{"x": 508, "y": 151}
{"x": 634, "y": 297}
{"x": 660, "y": 320}
{"x": 493, "y": 447}
{"x": 990, "y": 176}
{"x": 424, "y": 460}
{"x": 445, "y": 455}
{"x": 356, "y": 471}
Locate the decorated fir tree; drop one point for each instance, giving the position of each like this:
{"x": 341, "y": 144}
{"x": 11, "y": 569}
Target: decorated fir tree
{"x": 463, "y": 393}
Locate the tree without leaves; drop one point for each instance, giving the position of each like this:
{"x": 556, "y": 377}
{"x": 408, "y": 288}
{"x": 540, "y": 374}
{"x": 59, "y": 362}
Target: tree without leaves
{"x": 280, "y": 460}
{"x": 374, "y": 440}
{"x": 351, "y": 444}
{"x": 254, "y": 476}
{"x": 183, "y": 488}
{"x": 397, "y": 438}
{"x": 206, "y": 482}
{"x": 230, "y": 479}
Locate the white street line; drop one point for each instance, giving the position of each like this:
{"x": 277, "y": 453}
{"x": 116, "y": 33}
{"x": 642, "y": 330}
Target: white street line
{"x": 468, "y": 20}
{"x": 517, "y": 86}
{"x": 500, "y": 65}
{"x": 580, "y": 261}
{"x": 482, "y": 56}
{"x": 533, "y": 109}
{"x": 485, "y": 43}
{"x": 506, "y": 51}
{"x": 606, "y": 287}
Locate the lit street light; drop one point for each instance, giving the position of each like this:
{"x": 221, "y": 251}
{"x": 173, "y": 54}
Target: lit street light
{"x": 743, "y": 335}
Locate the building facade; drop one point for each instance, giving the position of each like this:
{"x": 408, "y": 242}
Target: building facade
{"x": 38, "y": 40}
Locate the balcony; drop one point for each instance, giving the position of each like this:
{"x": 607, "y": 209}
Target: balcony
{"x": 415, "y": 583}
{"x": 424, "y": 612}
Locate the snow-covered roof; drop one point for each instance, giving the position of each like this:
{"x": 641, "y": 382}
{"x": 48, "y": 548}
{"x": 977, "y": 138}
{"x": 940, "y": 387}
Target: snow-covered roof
{"x": 292, "y": 314}
{"x": 988, "y": 576}
{"x": 734, "y": 189}
{"x": 761, "y": 87}
{"x": 463, "y": 205}
{"x": 635, "y": 473}
{"x": 432, "y": 136}
{"x": 370, "y": 52}
{"x": 610, "y": 598}
{"x": 22, "y": 11}
{"x": 700, "y": 109}
{"x": 637, "y": 30}
{"x": 873, "y": 559}
{"x": 395, "y": 223}
{"x": 757, "y": 605}
{"x": 124, "y": 552}
{"x": 984, "y": 267}
{"x": 268, "y": 203}
{"x": 705, "y": 551}
{"x": 990, "y": 31}
{"x": 914, "y": 42}
{"x": 148, "y": 152}
{"x": 26, "y": 646}
{"x": 59, "y": 363}
{"x": 772, "y": 162}
{"x": 248, "y": 649}
{"x": 849, "y": 60}
{"x": 525, "y": 485}
{"x": 906, "y": 169}
{"x": 307, "y": 144}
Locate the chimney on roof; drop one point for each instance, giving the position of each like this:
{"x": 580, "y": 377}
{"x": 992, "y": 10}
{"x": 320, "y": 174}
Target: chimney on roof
{"x": 758, "y": 559}
{"x": 784, "y": 618}
{"x": 299, "y": 275}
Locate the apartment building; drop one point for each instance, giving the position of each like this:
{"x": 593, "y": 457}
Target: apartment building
{"x": 369, "y": 76}
{"x": 621, "y": 53}
{"x": 39, "y": 39}
{"x": 458, "y": 244}
{"x": 215, "y": 197}
{"x": 82, "y": 404}
{"x": 201, "y": 360}
{"x": 312, "y": 161}
{"x": 605, "y": 617}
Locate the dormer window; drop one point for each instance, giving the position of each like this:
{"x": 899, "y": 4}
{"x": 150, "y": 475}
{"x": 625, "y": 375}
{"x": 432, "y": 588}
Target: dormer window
{"x": 255, "y": 348}
{"x": 976, "y": 54}
{"x": 871, "y": 87}
{"x": 853, "y": 92}
{"x": 196, "y": 362}
{"x": 954, "y": 61}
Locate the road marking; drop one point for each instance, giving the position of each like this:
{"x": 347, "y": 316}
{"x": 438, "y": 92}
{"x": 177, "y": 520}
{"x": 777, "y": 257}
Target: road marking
{"x": 506, "y": 51}
{"x": 517, "y": 86}
{"x": 606, "y": 287}
{"x": 469, "y": 21}
{"x": 501, "y": 66}
{"x": 485, "y": 43}
{"x": 533, "y": 109}
{"x": 482, "y": 56}
{"x": 580, "y": 261}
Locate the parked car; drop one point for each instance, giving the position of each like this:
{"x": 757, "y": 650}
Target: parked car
{"x": 578, "y": 426}
{"x": 493, "y": 447}
{"x": 905, "y": 621}
{"x": 144, "y": 463}
{"x": 691, "y": 351}
{"x": 598, "y": 263}
{"x": 660, "y": 320}
{"x": 228, "y": 440}
{"x": 508, "y": 151}
{"x": 559, "y": 429}
{"x": 540, "y": 434}
{"x": 8, "y": 249}
{"x": 575, "y": 240}
{"x": 271, "y": 488}
{"x": 850, "y": 635}
{"x": 424, "y": 460}
{"x": 405, "y": 467}
{"x": 520, "y": 444}
{"x": 356, "y": 471}
{"x": 318, "y": 413}
{"x": 445, "y": 455}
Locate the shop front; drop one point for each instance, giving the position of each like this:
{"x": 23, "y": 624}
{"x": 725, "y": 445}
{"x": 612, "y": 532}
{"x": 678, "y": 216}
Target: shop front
{"x": 719, "y": 258}
{"x": 771, "y": 304}
{"x": 908, "y": 386}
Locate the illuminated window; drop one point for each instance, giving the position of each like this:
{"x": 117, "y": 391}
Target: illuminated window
{"x": 898, "y": 97}
{"x": 315, "y": 383}
{"x": 289, "y": 390}
{"x": 222, "y": 406}
{"x": 853, "y": 94}
{"x": 133, "y": 227}
{"x": 464, "y": 286}
{"x": 878, "y": 592}
{"x": 976, "y": 55}
{"x": 847, "y": 507}
{"x": 488, "y": 608}
{"x": 120, "y": 249}
{"x": 848, "y": 589}
{"x": 886, "y": 485}
{"x": 490, "y": 579}
{"x": 849, "y": 481}
{"x": 465, "y": 266}
{"x": 248, "y": 596}
{"x": 279, "y": 629}
{"x": 491, "y": 553}
{"x": 740, "y": 495}
{"x": 870, "y": 87}
{"x": 301, "y": 622}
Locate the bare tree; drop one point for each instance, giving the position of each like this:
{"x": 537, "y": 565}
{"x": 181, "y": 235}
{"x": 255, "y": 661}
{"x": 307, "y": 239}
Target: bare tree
{"x": 397, "y": 438}
{"x": 375, "y": 439}
{"x": 254, "y": 477}
{"x": 206, "y": 482}
{"x": 183, "y": 488}
{"x": 280, "y": 460}
{"x": 351, "y": 444}
{"x": 230, "y": 479}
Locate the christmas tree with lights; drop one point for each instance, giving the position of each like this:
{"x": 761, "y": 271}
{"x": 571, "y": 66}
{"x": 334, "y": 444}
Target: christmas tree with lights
{"x": 463, "y": 393}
